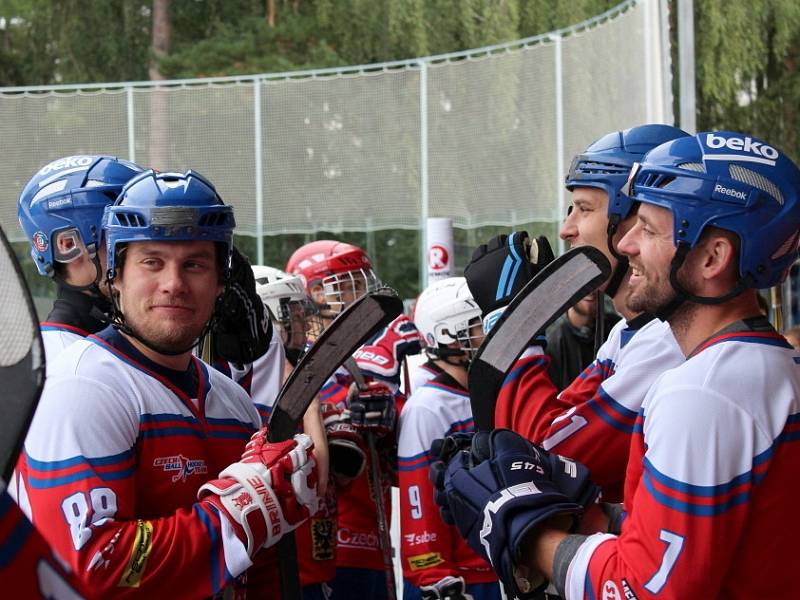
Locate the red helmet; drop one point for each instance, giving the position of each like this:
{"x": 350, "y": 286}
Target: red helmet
{"x": 344, "y": 271}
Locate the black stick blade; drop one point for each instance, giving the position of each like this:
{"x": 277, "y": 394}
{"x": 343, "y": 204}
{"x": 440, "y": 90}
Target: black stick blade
{"x": 555, "y": 288}
{"x": 21, "y": 358}
{"x": 344, "y": 335}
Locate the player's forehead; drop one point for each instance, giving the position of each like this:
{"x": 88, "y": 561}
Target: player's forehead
{"x": 177, "y": 249}
{"x": 656, "y": 217}
{"x": 592, "y": 196}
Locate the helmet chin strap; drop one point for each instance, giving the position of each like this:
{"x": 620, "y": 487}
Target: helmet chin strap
{"x": 665, "y": 311}
{"x": 621, "y": 268}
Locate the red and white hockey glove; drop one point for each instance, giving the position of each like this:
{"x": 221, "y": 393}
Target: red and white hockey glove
{"x": 348, "y": 456}
{"x": 269, "y": 492}
{"x": 382, "y": 357}
{"x": 372, "y": 409}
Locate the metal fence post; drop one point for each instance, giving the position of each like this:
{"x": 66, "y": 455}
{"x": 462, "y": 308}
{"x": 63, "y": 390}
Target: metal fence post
{"x": 423, "y": 169}
{"x": 562, "y": 210}
{"x": 257, "y": 150}
{"x": 131, "y": 124}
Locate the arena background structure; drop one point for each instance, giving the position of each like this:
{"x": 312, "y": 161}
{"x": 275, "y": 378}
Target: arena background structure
{"x": 483, "y": 136}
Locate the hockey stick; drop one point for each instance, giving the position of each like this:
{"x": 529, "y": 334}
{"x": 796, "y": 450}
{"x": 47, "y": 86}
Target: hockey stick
{"x": 377, "y": 489}
{"x": 21, "y": 358}
{"x": 348, "y": 331}
{"x": 555, "y": 288}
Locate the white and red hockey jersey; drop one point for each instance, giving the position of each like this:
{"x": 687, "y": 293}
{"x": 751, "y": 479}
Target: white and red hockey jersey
{"x": 431, "y": 549}
{"x": 58, "y": 336}
{"x": 27, "y": 566}
{"x": 712, "y": 483}
{"x": 112, "y": 463}
{"x": 593, "y": 419}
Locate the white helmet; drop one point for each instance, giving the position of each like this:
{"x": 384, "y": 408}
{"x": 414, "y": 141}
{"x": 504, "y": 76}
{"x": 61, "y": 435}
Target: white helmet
{"x": 285, "y": 297}
{"x": 445, "y": 313}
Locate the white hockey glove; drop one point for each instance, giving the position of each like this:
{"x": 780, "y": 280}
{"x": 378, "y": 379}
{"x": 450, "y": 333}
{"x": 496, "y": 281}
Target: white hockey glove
{"x": 269, "y": 492}
{"x": 447, "y": 588}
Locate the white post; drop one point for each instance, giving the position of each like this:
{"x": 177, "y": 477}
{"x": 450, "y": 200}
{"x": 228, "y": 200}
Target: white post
{"x": 650, "y": 37}
{"x": 423, "y": 170}
{"x": 259, "y": 173}
{"x": 667, "y": 112}
{"x": 686, "y": 65}
{"x": 562, "y": 208}
{"x": 131, "y": 132}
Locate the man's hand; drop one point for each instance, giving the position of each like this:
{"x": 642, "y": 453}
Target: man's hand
{"x": 501, "y": 268}
{"x": 348, "y": 455}
{"x": 372, "y": 409}
{"x": 269, "y": 492}
{"x": 242, "y": 329}
{"x": 499, "y": 491}
{"x": 383, "y": 356}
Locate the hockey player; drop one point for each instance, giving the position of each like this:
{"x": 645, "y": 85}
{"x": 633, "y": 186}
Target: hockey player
{"x": 711, "y": 485}
{"x": 60, "y": 210}
{"x": 336, "y": 274}
{"x": 291, "y": 310}
{"x": 433, "y": 554}
{"x": 602, "y": 402}
{"x": 130, "y": 425}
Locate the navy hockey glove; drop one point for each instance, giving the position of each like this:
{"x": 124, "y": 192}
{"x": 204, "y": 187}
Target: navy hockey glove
{"x": 496, "y": 502}
{"x": 476, "y": 445}
{"x": 372, "y": 409}
{"x": 242, "y": 329}
{"x": 501, "y": 268}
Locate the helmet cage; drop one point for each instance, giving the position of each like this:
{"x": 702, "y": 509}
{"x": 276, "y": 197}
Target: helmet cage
{"x": 342, "y": 289}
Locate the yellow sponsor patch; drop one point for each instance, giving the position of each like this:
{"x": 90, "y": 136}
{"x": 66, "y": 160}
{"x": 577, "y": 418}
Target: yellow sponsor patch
{"x": 424, "y": 561}
{"x": 142, "y": 545}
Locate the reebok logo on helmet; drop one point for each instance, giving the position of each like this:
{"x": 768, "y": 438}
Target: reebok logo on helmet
{"x": 719, "y": 189}
{"x": 759, "y": 151}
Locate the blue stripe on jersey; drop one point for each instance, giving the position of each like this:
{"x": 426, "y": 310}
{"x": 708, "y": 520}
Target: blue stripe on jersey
{"x": 170, "y": 431}
{"x": 697, "y": 510}
{"x": 442, "y": 386}
{"x": 625, "y": 336}
{"x": 587, "y": 587}
{"x": 522, "y": 366}
{"x": 89, "y": 469}
{"x": 606, "y": 409}
{"x": 17, "y": 537}
{"x": 166, "y": 417}
{"x": 55, "y": 465}
{"x": 217, "y": 583}
{"x": 465, "y": 425}
{"x": 403, "y": 461}
{"x": 603, "y": 368}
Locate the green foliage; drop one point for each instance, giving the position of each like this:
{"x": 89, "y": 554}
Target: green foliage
{"x": 747, "y": 68}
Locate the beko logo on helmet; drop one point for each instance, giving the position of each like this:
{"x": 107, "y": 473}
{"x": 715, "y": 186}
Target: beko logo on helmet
{"x": 762, "y": 153}
{"x": 70, "y": 162}
{"x": 730, "y": 192}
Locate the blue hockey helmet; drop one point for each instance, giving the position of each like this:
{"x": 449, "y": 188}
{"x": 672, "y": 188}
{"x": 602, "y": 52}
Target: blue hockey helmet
{"x": 69, "y": 195}
{"x": 607, "y": 162}
{"x": 168, "y": 207}
{"x": 734, "y": 182}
